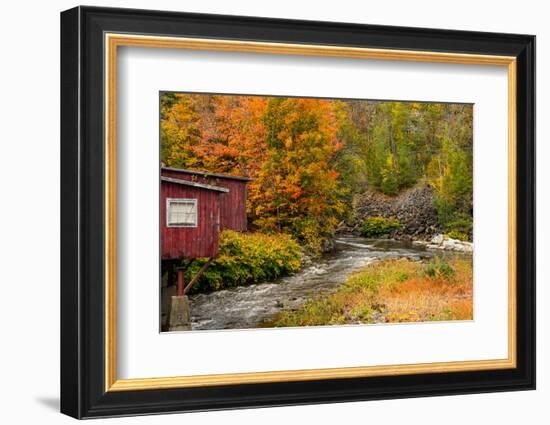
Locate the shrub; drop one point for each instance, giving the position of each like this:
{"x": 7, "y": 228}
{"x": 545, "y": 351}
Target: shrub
{"x": 310, "y": 234}
{"x": 378, "y": 226}
{"x": 246, "y": 258}
{"x": 439, "y": 267}
{"x": 455, "y": 234}
{"x": 460, "y": 225}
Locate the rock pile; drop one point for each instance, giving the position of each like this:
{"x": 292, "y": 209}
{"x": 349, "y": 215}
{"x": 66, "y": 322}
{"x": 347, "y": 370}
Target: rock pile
{"x": 414, "y": 208}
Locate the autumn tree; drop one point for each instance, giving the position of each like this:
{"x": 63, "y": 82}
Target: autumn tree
{"x": 450, "y": 170}
{"x": 297, "y": 188}
{"x": 179, "y": 130}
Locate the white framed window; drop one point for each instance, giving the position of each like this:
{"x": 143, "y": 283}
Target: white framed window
{"x": 181, "y": 212}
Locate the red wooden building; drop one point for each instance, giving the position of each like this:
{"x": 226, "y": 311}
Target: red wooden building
{"x": 195, "y": 206}
{"x": 232, "y": 204}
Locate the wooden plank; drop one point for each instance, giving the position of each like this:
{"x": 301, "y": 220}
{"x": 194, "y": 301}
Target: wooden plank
{"x": 197, "y": 276}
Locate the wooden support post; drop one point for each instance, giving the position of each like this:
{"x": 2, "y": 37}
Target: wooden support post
{"x": 196, "y": 277}
{"x": 181, "y": 290}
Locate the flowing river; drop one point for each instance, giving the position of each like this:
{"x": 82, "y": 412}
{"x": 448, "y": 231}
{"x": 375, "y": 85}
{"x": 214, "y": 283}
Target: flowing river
{"x": 250, "y": 306}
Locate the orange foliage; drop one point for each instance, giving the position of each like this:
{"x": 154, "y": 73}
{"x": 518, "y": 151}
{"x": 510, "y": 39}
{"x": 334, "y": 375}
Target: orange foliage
{"x": 286, "y": 145}
{"x": 422, "y": 298}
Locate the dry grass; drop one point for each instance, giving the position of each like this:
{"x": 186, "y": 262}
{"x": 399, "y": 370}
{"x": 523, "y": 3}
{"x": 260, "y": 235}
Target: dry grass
{"x": 393, "y": 291}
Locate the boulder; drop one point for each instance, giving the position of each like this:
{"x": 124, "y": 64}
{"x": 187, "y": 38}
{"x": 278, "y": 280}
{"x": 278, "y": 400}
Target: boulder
{"x": 449, "y": 244}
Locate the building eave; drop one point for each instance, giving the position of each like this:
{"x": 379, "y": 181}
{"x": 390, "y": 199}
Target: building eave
{"x": 207, "y": 174}
{"x": 194, "y": 184}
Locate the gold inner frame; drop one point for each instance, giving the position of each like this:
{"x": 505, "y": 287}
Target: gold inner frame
{"x": 113, "y": 41}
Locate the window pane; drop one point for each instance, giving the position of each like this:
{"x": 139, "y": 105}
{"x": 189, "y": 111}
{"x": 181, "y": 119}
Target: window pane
{"x": 183, "y": 213}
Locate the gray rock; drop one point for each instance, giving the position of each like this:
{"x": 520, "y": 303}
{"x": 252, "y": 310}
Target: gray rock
{"x": 421, "y": 243}
{"x": 449, "y": 244}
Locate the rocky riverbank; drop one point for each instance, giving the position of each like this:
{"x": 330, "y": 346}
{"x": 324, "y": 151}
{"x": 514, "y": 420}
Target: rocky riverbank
{"x": 446, "y": 243}
{"x": 254, "y": 305}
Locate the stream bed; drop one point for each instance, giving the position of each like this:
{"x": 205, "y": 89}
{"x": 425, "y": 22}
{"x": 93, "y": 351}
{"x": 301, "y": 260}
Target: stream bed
{"x": 250, "y": 306}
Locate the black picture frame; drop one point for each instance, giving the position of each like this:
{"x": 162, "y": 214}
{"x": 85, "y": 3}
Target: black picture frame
{"x": 83, "y": 392}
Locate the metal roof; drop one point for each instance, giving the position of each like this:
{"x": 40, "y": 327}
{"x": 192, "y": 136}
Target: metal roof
{"x": 194, "y": 184}
{"x": 207, "y": 174}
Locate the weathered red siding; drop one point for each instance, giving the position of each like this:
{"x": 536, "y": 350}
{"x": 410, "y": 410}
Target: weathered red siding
{"x": 191, "y": 242}
{"x": 232, "y": 204}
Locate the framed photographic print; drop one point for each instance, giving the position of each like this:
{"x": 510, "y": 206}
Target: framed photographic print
{"x": 261, "y": 212}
